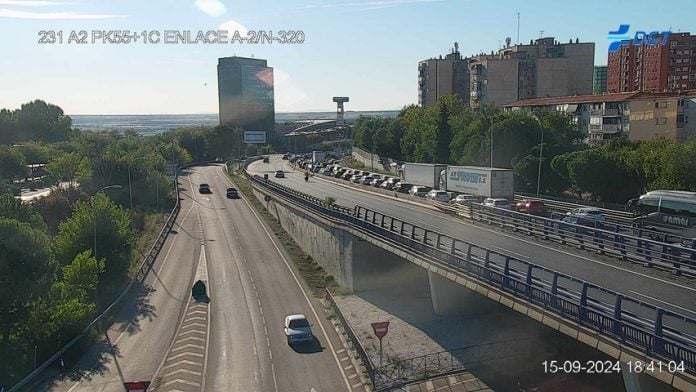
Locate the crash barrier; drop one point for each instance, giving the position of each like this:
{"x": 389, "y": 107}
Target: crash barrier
{"x": 574, "y": 203}
{"x": 602, "y": 238}
{"x": 138, "y": 276}
{"x": 406, "y": 371}
{"x": 657, "y": 332}
{"x": 650, "y": 248}
{"x": 352, "y": 338}
{"x": 614, "y": 215}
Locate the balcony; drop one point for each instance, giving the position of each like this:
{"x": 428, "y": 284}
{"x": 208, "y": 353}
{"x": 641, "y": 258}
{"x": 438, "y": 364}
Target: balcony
{"x": 605, "y": 128}
{"x": 604, "y": 112}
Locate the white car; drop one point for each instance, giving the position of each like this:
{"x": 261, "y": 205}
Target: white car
{"x": 588, "y": 213}
{"x": 497, "y": 202}
{"x": 440, "y": 196}
{"x": 418, "y": 190}
{"x": 464, "y": 199}
{"x": 297, "y": 329}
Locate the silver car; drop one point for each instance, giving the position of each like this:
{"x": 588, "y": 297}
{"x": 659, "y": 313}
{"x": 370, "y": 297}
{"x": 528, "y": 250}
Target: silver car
{"x": 498, "y": 202}
{"x": 297, "y": 329}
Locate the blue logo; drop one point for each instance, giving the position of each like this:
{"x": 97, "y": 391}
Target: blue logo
{"x": 639, "y": 38}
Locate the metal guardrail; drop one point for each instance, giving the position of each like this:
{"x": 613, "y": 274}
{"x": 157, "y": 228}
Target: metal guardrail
{"x": 575, "y": 202}
{"x": 352, "y": 337}
{"x": 646, "y": 247}
{"x": 615, "y": 216}
{"x": 423, "y": 367}
{"x": 139, "y": 274}
{"x": 657, "y": 332}
{"x": 604, "y": 238}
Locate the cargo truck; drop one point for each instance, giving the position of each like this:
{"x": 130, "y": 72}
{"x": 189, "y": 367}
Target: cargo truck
{"x": 427, "y": 174}
{"x": 318, "y": 156}
{"x": 479, "y": 181}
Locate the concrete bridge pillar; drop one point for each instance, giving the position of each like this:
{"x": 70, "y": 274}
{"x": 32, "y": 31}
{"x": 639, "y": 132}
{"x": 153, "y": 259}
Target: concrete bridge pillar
{"x": 451, "y": 298}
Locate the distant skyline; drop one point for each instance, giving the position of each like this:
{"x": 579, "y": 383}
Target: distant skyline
{"x": 365, "y": 49}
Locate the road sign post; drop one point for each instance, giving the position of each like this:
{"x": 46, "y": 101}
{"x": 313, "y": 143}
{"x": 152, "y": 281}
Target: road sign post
{"x": 380, "y": 330}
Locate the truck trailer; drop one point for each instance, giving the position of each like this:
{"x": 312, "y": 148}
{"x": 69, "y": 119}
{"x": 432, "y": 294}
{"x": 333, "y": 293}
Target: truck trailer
{"x": 427, "y": 174}
{"x": 479, "y": 181}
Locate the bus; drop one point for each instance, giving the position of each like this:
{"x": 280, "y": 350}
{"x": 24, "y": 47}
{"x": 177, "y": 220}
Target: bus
{"x": 668, "y": 212}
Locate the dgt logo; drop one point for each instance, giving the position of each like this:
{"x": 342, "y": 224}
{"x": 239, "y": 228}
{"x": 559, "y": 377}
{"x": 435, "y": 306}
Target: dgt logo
{"x": 639, "y": 38}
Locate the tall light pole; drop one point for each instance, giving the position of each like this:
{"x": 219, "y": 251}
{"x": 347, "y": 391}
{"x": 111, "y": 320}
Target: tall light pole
{"x": 130, "y": 184}
{"x": 541, "y": 153}
{"x": 95, "y": 217}
{"x": 491, "y": 146}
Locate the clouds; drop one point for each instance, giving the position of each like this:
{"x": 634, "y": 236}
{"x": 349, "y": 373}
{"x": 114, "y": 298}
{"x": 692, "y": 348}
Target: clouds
{"x": 213, "y": 8}
{"x": 366, "y": 5}
{"x": 5, "y": 13}
{"x": 288, "y": 96}
{"x": 53, "y": 15}
{"x": 233, "y": 25}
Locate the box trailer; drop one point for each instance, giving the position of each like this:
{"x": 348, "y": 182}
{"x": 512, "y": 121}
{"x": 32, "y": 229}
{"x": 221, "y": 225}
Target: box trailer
{"x": 427, "y": 174}
{"x": 479, "y": 181}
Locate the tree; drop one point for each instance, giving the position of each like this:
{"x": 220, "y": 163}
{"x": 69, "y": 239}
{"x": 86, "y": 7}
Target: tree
{"x": 26, "y": 264}
{"x": 12, "y": 163}
{"x": 80, "y": 278}
{"x": 67, "y": 167}
{"x": 11, "y": 208}
{"x": 38, "y": 120}
{"x": 58, "y": 206}
{"x": 113, "y": 234}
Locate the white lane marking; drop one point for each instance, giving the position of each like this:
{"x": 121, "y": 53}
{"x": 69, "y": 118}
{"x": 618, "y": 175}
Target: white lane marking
{"x": 661, "y": 301}
{"x": 463, "y": 222}
{"x": 275, "y": 381}
{"x": 314, "y": 312}
{"x": 154, "y": 286}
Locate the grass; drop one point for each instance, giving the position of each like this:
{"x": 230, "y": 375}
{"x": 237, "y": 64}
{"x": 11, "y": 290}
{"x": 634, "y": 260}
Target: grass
{"x": 313, "y": 274}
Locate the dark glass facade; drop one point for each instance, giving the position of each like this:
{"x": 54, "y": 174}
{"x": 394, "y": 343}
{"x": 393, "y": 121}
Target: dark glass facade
{"x": 245, "y": 93}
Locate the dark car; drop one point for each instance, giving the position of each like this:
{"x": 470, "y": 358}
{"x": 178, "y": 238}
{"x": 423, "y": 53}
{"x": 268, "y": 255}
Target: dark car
{"x": 279, "y": 174}
{"x": 266, "y": 159}
{"x": 232, "y": 193}
{"x": 204, "y": 188}
{"x": 534, "y": 207}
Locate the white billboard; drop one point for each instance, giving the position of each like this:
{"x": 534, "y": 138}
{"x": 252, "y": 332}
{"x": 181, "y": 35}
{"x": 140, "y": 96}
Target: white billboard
{"x": 254, "y": 137}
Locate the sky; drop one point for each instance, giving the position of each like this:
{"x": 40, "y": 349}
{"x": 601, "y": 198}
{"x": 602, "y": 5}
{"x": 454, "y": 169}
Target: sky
{"x": 367, "y": 50}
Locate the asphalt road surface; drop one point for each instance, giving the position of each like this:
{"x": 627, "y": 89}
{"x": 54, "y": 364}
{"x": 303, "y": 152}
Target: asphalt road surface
{"x": 678, "y": 295}
{"x": 252, "y": 286}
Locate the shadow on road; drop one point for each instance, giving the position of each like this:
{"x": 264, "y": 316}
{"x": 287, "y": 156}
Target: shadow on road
{"x": 312, "y": 347}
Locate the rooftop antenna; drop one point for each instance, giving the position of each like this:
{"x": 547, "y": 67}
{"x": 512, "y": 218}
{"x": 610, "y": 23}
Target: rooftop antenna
{"x": 541, "y": 33}
{"x": 518, "y": 28}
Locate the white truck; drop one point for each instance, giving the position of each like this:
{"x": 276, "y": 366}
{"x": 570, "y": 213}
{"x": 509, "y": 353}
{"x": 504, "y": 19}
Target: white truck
{"x": 318, "y": 156}
{"x": 479, "y": 181}
{"x": 427, "y": 174}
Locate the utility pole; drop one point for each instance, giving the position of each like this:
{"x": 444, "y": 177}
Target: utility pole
{"x": 541, "y": 153}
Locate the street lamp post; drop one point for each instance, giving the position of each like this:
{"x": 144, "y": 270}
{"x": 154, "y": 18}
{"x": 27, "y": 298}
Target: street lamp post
{"x": 95, "y": 217}
{"x": 541, "y": 153}
{"x": 491, "y": 147}
{"x": 95, "y": 231}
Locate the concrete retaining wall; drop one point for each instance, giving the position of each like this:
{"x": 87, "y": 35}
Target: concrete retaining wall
{"x": 328, "y": 245}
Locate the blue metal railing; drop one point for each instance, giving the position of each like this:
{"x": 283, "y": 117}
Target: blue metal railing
{"x": 657, "y": 332}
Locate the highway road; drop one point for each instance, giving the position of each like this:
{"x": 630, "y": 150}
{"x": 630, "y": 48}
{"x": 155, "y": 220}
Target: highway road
{"x": 252, "y": 286}
{"x": 643, "y": 284}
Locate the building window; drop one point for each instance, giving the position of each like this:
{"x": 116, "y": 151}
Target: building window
{"x": 663, "y": 120}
